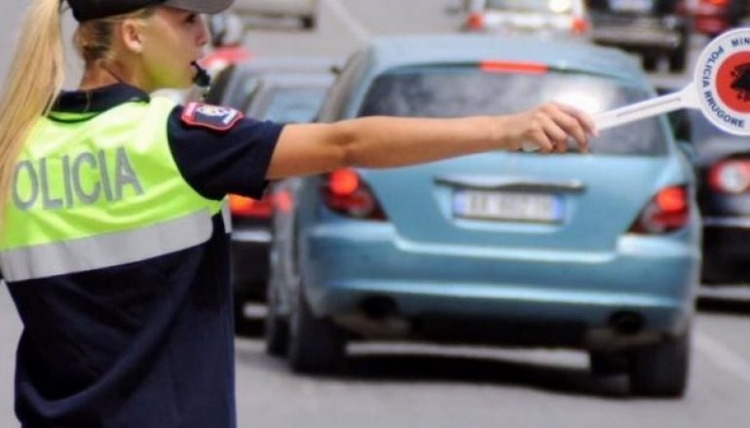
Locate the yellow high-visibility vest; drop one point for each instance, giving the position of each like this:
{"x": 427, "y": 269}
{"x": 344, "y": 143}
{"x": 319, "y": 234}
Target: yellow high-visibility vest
{"x": 93, "y": 191}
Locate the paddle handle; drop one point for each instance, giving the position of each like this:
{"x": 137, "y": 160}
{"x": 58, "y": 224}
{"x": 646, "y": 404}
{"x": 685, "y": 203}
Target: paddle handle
{"x": 640, "y": 110}
{"x": 644, "y": 109}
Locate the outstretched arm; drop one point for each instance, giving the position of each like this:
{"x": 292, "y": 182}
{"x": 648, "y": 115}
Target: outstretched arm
{"x": 379, "y": 142}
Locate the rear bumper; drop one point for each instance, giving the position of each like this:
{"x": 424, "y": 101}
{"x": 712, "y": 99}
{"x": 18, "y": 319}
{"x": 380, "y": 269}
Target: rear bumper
{"x": 650, "y": 39}
{"x": 643, "y": 36}
{"x": 654, "y": 278}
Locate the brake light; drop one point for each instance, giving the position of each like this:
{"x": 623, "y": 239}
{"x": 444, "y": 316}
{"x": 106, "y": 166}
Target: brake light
{"x": 719, "y": 3}
{"x": 668, "y": 211}
{"x": 343, "y": 182}
{"x": 475, "y": 21}
{"x": 579, "y": 26}
{"x": 283, "y": 201}
{"x": 491, "y": 66}
{"x": 730, "y": 176}
{"x": 241, "y": 206}
{"x": 344, "y": 192}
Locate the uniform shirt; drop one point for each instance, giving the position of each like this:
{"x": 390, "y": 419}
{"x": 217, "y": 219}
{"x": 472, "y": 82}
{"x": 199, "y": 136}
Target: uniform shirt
{"x": 147, "y": 344}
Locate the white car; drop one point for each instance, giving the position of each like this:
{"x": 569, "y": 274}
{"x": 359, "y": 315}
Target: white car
{"x": 304, "y": 10}
{"x": 551, "y": 18}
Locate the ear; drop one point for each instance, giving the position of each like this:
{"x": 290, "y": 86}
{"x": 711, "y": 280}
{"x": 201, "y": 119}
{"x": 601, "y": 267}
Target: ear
{"x": 132, "y": 37}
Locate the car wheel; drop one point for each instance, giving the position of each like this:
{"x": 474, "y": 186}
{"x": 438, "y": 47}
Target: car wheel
{"x": 276, "y": 328}
{"x": 316, "y": 345}
{"x": 608, "y": 363}
{"x": 677, "y": 60}
{"x": 650, "y": 62}
{"x": 240, "y": 321}
{"x": 718, "y": 273}
{"x": 661, "y": 370}
{"x": 308, "y": 22}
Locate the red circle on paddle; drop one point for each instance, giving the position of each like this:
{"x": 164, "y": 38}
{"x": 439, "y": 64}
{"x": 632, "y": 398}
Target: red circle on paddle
{"x": 733, "y": 82}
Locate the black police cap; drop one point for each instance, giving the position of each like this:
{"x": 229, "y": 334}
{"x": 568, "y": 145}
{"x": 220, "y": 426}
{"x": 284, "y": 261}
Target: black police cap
{"x": 86, "y": 10}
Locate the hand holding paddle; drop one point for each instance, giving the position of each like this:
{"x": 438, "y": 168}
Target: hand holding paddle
{"x": 720, "y": 89}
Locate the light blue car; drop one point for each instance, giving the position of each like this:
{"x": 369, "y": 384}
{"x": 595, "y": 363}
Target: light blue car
{"x": 598, "y": 252}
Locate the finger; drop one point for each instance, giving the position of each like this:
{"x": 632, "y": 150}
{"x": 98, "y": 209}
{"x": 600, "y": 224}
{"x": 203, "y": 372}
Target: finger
{"x": 542, "y": 141}
{"x": 586, "y": 120}
{"x": 561, "y": 146}
{"x": 556, "y": 134}
{"x": 572, "y": 126}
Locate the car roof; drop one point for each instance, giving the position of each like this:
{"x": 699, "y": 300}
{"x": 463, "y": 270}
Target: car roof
{"x": 289, "y": 64}
{"x": 386, "y": 52}
{"x": 291, "y": 79}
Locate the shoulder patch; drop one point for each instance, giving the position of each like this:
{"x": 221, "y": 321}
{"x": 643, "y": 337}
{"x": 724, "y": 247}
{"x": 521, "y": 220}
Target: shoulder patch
{"x": 209, "y": 116}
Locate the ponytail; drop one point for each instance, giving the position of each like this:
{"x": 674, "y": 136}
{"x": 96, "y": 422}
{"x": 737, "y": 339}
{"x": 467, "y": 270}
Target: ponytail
{"x": 36, "y": 76}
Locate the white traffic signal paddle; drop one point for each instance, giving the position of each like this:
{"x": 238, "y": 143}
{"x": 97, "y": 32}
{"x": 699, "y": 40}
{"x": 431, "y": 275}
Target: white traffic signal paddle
{"x": 720, "y": 89}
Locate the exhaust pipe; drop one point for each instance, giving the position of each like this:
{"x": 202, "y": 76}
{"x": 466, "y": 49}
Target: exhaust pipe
{"x": 626, "y": 322}
{"x": 378, "y": 308}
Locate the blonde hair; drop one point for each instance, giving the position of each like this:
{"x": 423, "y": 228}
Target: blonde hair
{"x": 37, "y": 75}
{"x": 93, "y": 39}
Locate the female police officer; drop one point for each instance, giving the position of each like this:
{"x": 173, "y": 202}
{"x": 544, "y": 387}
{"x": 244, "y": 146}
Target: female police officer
{"x": 113, "y": 243}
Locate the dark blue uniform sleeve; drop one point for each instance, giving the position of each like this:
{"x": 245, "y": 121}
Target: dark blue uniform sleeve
{"x": 217, "y": 160}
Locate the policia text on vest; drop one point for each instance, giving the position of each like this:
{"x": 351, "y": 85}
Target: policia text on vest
{"x": 113, "y": 176}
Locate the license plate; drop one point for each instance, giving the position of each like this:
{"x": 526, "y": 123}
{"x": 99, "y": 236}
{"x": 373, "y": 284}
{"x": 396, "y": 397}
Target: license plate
{"x": 631, "y": 5}
{"x": 509, "y": 206}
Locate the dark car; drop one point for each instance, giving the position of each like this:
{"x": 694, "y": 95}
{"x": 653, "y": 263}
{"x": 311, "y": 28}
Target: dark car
{"x": 653, "y": 29}
{"x": 723, "y": 165}
{"x": 283, "y": 90}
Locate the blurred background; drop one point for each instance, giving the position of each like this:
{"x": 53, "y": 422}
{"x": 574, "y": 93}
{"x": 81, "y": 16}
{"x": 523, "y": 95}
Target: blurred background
{"x": 405, "y": 384}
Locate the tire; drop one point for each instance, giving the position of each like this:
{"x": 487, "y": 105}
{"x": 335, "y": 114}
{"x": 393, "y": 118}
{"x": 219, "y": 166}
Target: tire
{"x": 240, "y": 321}
{"x": 661, "y": 370}
{"x": 718, "y": 273}
{"x": 308, "y": 22}
{"x": 608, "y": 363}
{"x": 650, "y": 62}
{"x": 275, "y": 328}
{"x": 316, "y": 345}
{"x": 678, "y": 60}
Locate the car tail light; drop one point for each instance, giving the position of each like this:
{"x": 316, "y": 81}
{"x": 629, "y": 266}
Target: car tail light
{"x": 345, "y": 193}
{"x": 668, "y": 211}
{"x": 579, "y": 26}
{"x": 719, "y": 3}
{"x": 283, "y": 201}
{"x": 241, "y": 206}
{"x": 475, "y": 21}
{"x": 730, "y": 176}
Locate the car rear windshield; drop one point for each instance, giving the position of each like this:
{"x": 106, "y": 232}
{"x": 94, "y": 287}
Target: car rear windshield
{"x": 467, "y": 90}
{"x": 293, "y": 105}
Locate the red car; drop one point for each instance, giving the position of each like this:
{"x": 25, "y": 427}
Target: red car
{"x": 713, "y": 17}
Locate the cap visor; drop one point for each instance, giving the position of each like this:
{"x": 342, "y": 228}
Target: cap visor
{"x": 200, "y": 6}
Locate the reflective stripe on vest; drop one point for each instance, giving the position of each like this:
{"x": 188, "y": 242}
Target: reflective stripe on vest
{"x": 105, "y": 251}
{"x": 100, "y": 193}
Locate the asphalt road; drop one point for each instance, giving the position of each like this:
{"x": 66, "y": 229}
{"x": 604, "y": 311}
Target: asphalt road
{"x": 407, "y": 386}
{"x": 424, "y": 386}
